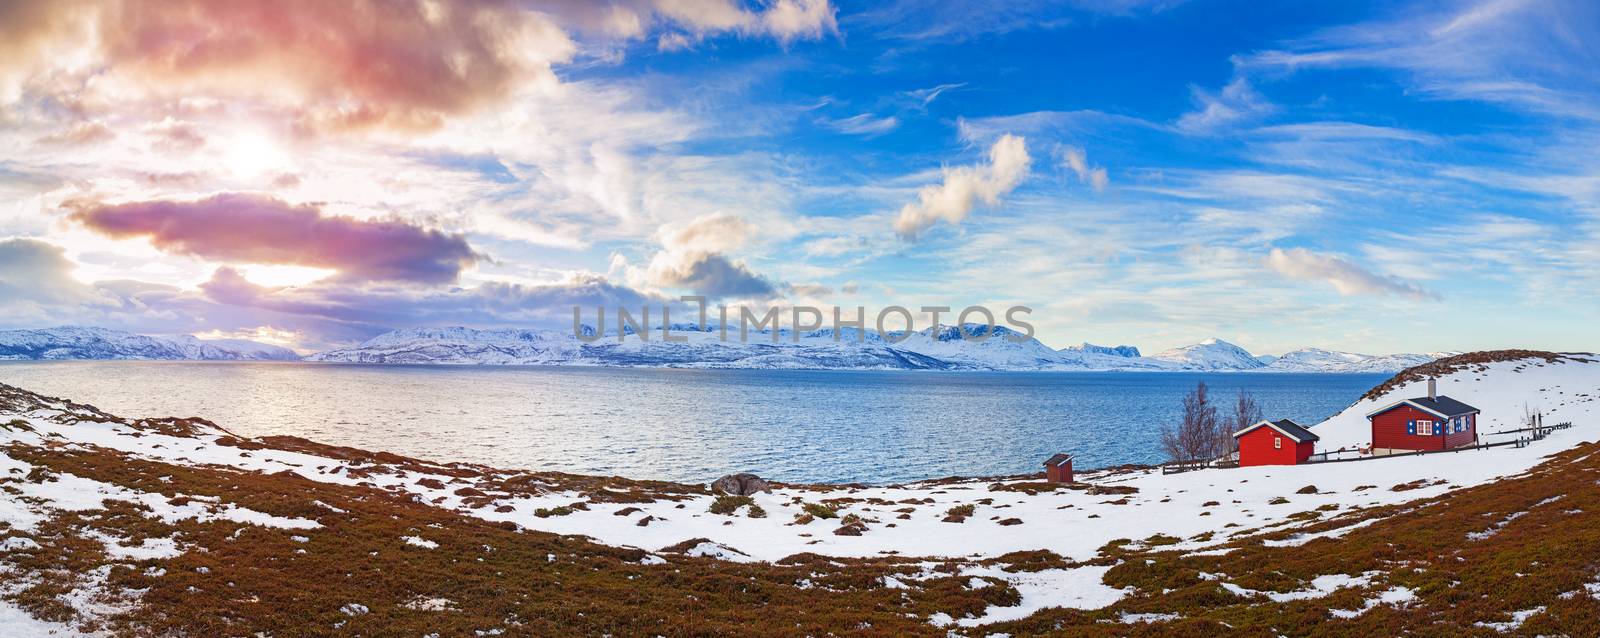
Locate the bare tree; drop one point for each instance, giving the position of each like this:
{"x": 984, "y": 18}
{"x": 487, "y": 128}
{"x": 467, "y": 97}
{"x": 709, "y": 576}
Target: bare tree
{"x": 1246, "y": 412}
{"x": 1195, "y": 439}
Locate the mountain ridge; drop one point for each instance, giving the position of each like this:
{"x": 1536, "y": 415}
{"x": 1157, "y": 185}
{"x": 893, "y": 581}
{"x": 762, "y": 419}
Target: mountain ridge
{"x": 937, "y": 348}
{"x": 79, "y": 342}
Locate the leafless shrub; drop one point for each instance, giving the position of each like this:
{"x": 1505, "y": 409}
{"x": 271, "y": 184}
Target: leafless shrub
{"x": 1196, "y": 438}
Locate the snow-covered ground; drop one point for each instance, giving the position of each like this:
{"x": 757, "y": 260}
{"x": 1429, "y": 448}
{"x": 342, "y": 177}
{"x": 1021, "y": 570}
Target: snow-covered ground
{"x": 1201, "y": 509}
{"x": 1174, "y": 505}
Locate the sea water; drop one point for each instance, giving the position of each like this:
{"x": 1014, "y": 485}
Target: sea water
{"x": 688, "y": 424}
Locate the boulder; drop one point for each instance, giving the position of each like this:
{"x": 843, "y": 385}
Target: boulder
{"x": 743, "y": 484}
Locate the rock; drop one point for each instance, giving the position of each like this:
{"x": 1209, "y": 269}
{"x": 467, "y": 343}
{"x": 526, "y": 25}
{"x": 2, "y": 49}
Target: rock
{"x": 1309, "y": 489}
{"x": 1011, "y": 521}
{"x": 743, "y": 484}
{"x": 954, "y": 518}
{"x": 626, "y": 511}
{"x": 645, "y": 522}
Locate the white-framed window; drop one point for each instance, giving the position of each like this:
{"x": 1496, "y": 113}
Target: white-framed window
{"x": 1277, "y": 443}
{"x": 1424, "y": 428}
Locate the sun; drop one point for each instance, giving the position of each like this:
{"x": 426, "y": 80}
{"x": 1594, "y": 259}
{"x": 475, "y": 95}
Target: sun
{"x": 252, "y": 154}
{"x": 276, "y": 276}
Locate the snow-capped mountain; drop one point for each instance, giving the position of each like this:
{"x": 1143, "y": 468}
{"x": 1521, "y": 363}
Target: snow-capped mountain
{"x": 934, "y": 348}
{"x": 73, "y": 342}
{"x": 1115, "y": 351}
{"x": 1211, "y": 354}
{"x": 940, "y": 348}
{"x": 700, "y": 349}
{"x": 1318, "y": 360}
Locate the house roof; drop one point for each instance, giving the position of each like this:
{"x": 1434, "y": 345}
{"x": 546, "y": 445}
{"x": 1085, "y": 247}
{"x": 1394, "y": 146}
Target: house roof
{"x": 1285, "y": 427}
{"x": 1058, "y": 459}
{"x": 1440, "y": 406}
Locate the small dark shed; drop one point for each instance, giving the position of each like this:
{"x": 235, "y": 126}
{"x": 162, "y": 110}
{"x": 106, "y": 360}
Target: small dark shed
{"x": 1058, "y": 469}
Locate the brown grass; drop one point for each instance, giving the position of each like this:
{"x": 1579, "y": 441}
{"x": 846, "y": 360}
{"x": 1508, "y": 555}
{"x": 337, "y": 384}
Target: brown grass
{"x": 234, "y": 580}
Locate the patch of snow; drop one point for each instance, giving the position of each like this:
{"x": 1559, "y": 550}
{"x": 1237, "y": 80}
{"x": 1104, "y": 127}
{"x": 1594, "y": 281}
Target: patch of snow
{"x": 18, "y": 624}
{"x": 718, "y": 551}
{"x": 1517, "y": 618}
{"x": 18, "y": 544}
{"x": 418, "y": 541}
{"x": 430, "y": 604}
{"x": 1129, "y": 619}
{"x": 1394, "y": 596}
{"x": 1075, "y": 588}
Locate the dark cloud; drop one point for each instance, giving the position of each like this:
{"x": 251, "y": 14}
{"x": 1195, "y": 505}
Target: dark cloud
{"x": 37, "y": 290}
{"x": 257, "y": 229}
{"x": 33, "y": 271}
{"x": 370, "y": 309}
{"x": 714, "y": 276}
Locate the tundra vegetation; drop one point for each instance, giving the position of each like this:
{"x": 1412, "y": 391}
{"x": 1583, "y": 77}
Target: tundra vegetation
{"x": 1516, "y": 555}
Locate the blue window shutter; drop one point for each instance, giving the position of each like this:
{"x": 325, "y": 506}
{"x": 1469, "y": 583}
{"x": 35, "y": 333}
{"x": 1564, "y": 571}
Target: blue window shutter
{"x": 1411, "y": 427}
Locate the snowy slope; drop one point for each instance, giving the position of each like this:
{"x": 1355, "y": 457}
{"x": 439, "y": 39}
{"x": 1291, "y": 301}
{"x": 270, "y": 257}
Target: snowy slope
{"x": 1568, "y": 390}
{"x": 1211, "y": 354}
{"x": 1318, "y": 360}
{"x": 998, "y": 351}
{"x": 72, "y": 342}
{"x": 1116, "y": 351}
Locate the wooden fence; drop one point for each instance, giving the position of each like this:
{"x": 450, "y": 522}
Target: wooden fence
{"x": 1537, "y": 433}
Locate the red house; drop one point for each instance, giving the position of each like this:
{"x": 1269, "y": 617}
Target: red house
{"x": 1281, "y": 442}
{"x": 1058, "y": 469}
{"x": 1433, "y": 422}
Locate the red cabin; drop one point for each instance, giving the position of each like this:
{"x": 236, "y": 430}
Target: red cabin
{"x": 1429, "y": 423}
{"x": 1058, "y": 469}
{"x": 1281, "y": 442}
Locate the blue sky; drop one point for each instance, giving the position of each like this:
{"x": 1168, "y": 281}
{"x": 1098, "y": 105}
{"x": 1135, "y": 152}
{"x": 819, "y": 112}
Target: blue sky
{"x": 1372, "y": 177}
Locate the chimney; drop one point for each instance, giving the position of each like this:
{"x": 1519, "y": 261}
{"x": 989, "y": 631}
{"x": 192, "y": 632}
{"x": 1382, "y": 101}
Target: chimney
{"x": 1433, "y": 388}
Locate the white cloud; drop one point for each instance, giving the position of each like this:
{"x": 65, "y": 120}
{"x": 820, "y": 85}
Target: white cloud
{"x": 863, "y": 124}
{"x": 692, "y": 257}
{"x": 1530, "y": 55}
{"x": 789, "y": 20}
{"x": 673, "y": 42}
{"x": 1346, "y": 277}
{"x": 966, "y": 186}
{"x": 928, "y": 95}
{"x": 1077, "y": 161}
{"x": 783, "y": 20}
{"x": 1236, "y": 102}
